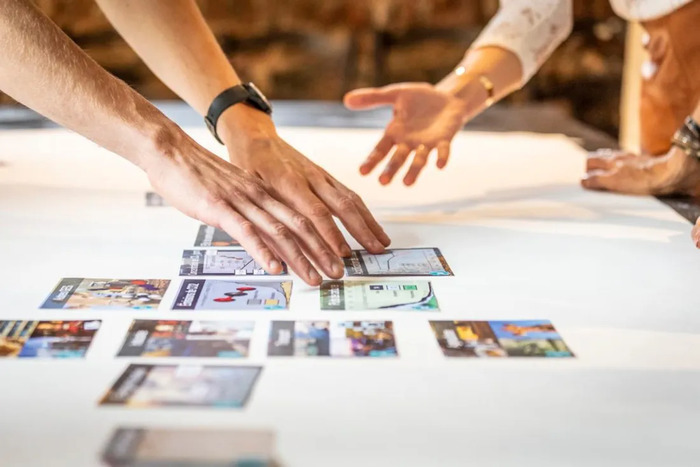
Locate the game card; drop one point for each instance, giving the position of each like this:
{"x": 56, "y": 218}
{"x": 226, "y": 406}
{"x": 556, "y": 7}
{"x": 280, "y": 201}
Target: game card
{"x": 99, "y": 294}
{"x": 220, "y": 294}
{"x": 167, "y": 447}
{"x": 377, "y": 295}
{"x": 183, "y": 386}
{"x": 332, "y": 339}
{"x": 46, "y": 339}
{"x": 220, "y": 263}
{"x": 162, "y": 338}
{"x": 519, "y": 338}
{"x": 154, "y": 200}
{"x": 210, "y": 236}
{"x": 398, "y": 262}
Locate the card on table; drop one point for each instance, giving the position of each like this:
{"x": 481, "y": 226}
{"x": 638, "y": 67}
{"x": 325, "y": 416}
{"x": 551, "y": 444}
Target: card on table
{"x": 398, "y": 262}
{"x": 332, "y": 339}
{"x": 210, "y": 236}
{"x": 75, "y": 293}
{"x": 220, "y": 263}
{"x": 166, "y": 338}
{"x": 378, "y": 295}
{"x": 221, "y": 294}
{"x": 517, "y": 338}
{"x": 46, "y": 339}
{"x": 183, "y": 386}
{"x": 168, "y": 447}
{"x": 154, "y": 200}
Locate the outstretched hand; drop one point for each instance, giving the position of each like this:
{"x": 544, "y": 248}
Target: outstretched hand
{"x": 425, "y": 119}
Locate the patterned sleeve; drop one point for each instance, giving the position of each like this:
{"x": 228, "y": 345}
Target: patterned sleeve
{"x": 531, "y": 29}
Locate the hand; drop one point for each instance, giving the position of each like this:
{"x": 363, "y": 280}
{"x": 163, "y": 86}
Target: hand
{"x": 301, "y": 184}
{"x": 624, "y": 172}
{"x": 425, "y": 118}
{"x": 696, "y": 234}
{"x": 217, "y": 193}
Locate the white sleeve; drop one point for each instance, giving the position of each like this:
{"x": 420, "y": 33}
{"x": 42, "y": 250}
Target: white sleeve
{"x": 531, "y": 29}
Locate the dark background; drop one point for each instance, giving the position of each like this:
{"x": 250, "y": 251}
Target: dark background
{"x": 319, "y": 49}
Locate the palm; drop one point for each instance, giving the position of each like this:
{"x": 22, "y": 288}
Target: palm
{"x": 425, "y": 119}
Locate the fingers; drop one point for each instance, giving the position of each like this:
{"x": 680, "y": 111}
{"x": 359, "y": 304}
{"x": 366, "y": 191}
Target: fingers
{"x": 282, "y": 233}
{"x": 377, "y": 155}
{"x": 606, "y": 159}
{"x": 367, "y": 98}
{"x": 301, "y": 198}
{"x": 309, "y": 239}
{"x": 420, "y": 159}
{"x": 620, "y": 180}
{"x": 354, "y": 215}
{"x": 696, "y": 234}
{"x": 247, "y": 235}
{"x": 443, "y": 152}
{"x": 400, "y": 155}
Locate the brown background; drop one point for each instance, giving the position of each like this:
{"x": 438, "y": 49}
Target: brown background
{"x": 319, "y": 49}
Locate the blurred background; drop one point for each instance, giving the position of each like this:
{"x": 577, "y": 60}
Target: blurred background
{"x": 319, "y": 49}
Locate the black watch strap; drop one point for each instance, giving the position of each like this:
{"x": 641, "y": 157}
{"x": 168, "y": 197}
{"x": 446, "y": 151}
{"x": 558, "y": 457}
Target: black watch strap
{"x": 246, "y": 93}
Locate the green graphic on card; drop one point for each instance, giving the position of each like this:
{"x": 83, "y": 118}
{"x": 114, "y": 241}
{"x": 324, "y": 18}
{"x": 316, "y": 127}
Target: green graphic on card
{"x": 378, "y": 295}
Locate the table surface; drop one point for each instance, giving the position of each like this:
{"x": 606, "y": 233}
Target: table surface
{"x": 615, "y": 274}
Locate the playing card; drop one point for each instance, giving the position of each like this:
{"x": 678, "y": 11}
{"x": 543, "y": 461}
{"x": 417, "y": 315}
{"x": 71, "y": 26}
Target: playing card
{"x": 183, "y": 386}
{"x": 73, "y": 293}
{"x": 398, "y": 262}
{"x": 210, "y": 236}
{"x": 378, "y": 295}
{"x": 334, "y": 339}
{"x": 517, "y": 338}
{"x": 163, "y": 338}
{"x": 220, "y": 294}
{"x": 46, "y": 339}
{"x": 220, "y": 263}
{"x": 167, "y": 447}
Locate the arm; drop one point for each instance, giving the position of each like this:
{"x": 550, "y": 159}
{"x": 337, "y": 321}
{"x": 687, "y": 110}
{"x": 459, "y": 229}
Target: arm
{"x": 43, "y": 69}
{"x": 508, "y": 52}
{"x": 176, "y": 43}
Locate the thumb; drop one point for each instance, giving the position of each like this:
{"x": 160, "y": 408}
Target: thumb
{"x": 368, "y": 98}
{"x": 696, "y": 234}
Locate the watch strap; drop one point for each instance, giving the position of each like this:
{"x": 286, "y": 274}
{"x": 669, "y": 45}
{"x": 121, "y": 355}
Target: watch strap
{"x": 223, "y": 101}
{"x": 687, "y": 138}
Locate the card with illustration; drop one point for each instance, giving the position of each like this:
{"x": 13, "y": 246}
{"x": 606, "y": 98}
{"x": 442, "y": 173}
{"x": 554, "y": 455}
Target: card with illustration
{"x": 378, "y": 295}
{"x": 517, "y": 338}
{"x": 220, "y": 263}
{"x": 183, "y": 386}
{"x": 168, "y": 447}
{"x": 398, "y": 262}
{"x": 332, "y": 339}
{"x": 103, "y": 294}
{"x": 47, "y": 339}
{"x": 208, "y": 236}
{"x": 220, "y": 294}
{"x": 167, "y": 338}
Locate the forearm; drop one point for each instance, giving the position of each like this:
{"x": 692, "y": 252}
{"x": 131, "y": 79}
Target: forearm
{"x": 696, "y": 113}
{"x": 43, "y": 69}
{"x": 174, "y": 40}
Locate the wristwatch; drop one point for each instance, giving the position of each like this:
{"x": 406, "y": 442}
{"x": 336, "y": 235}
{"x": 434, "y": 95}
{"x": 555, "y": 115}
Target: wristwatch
{"x": 687, "y": 138}
{"x": 246, "y": 93}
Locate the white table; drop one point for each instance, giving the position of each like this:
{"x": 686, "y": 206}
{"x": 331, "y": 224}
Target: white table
{"x": 616, "y": 275}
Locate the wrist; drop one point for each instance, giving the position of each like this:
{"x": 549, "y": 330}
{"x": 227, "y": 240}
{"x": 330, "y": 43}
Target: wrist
{"x": 685, "y": 170}
{"x": 242, "y": 126}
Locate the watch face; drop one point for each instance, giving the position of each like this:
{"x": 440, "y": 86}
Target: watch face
{"x": 259, "y": 96}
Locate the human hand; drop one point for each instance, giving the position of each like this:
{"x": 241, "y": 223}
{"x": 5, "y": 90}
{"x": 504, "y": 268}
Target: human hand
{"x": 696, "y": 234}
{"x": 303, "y": 185}
{"x": 426, "y": 118}
{"x": 624, "y": 172}
{"x": 209, "y": 189}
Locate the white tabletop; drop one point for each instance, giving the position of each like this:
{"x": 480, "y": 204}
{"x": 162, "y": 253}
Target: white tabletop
{"x": 616, "y": 275}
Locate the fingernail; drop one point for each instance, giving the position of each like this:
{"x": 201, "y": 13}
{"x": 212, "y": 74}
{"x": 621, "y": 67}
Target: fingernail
{"x": 314, "y": 276}
{"x": 274, "y": 265}
{"x": 345, "y": 251}
{"x": 337, "y": 268}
